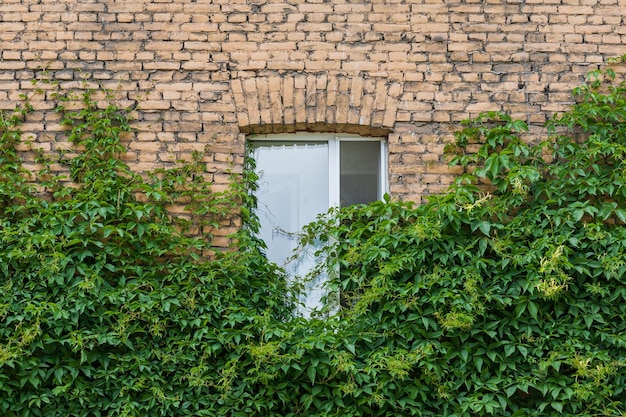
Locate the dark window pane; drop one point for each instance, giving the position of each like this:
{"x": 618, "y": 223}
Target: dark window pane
{"x": 359, "y": 172}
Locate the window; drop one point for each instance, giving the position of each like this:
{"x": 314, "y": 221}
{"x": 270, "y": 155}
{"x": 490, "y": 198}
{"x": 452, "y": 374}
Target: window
{"x": 302, "y": 175}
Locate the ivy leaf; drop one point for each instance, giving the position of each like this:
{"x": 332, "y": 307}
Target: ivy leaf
{"x": 484, "y": 227}
{"x": 557, "y": 406}
{"x": 533, "y": 309}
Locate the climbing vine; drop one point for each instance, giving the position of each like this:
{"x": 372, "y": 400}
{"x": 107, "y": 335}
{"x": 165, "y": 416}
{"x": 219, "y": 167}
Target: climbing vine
{"x": 108, "y": 305}
{"x": 503, "y": 296}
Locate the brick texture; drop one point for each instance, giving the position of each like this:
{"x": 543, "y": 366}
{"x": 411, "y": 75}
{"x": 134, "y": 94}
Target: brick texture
{"x": 203, "y": 74}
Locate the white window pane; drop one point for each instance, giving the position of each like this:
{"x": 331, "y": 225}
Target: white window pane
{"x": 359, "y": 172}
{"x": 293, "y": 190}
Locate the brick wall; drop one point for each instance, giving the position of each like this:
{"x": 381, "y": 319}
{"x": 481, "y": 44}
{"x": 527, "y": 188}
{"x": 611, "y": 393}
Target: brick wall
{"x": 204, "y": 73}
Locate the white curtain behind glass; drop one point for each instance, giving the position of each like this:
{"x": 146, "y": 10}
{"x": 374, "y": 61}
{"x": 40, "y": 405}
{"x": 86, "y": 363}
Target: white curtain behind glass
{"x": 293, "y": 190}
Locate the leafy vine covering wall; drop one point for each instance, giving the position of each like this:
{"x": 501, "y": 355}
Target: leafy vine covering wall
{"x": 123, "y": 162}
{"x": 503, "y": 296}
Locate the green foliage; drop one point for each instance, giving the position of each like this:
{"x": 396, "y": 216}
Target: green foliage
{"x": 504, "y": 296}
{"x": 107, "y": 307}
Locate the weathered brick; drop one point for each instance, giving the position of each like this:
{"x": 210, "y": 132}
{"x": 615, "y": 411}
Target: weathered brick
{"x": 204, "y": 73}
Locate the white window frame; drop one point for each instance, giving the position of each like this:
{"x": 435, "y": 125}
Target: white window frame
{"x": 334, "y": 141}
{"x": 334, "y": 159}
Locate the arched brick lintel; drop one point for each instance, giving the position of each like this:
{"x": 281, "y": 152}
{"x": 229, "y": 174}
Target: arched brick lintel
{"x": 362, "y": 130}
{"x": 316, "y": 102}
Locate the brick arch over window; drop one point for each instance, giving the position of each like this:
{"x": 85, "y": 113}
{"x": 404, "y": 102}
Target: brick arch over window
{"x": 316, "y": 102}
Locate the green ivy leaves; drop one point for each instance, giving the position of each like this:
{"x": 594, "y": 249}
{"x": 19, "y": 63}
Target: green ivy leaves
{"x": 504, "y": 296}
{"x": 107, "y": 307}
{"x": 511, "y": 285}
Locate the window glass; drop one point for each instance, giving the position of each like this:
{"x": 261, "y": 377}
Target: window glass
{"x": 293, "y": 190}
{"x": 359, "y": 172}
{"x": 302, "y": 176}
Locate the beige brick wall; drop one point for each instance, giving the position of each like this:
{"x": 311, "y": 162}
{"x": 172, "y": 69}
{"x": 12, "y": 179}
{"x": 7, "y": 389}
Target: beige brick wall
{"x": 204, "y": 73}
